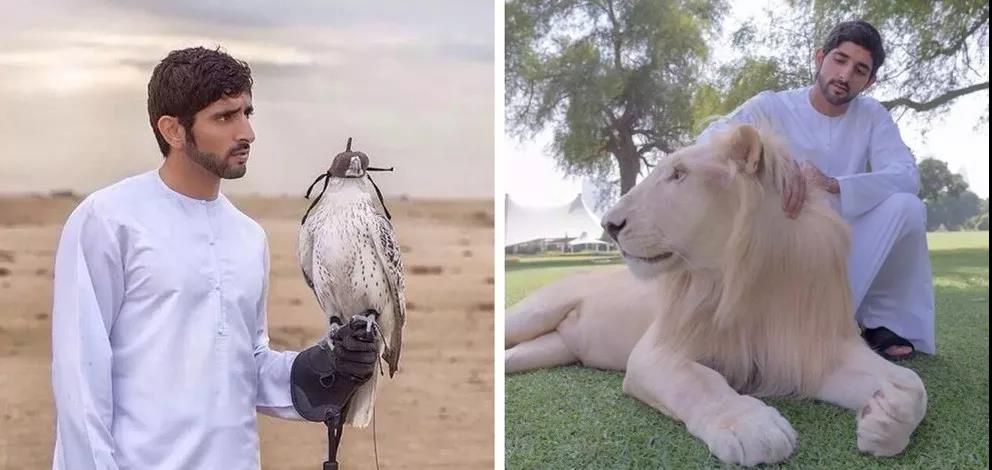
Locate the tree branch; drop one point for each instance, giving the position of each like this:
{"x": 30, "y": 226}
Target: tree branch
{"x": 658, "y": 145}
{"x": 648, "y": 146}
{"x": 615, "y": 33}
{"x": 936, "y": 102}
{"x": 957, "y": 45}
{"x": 611, "y": 117}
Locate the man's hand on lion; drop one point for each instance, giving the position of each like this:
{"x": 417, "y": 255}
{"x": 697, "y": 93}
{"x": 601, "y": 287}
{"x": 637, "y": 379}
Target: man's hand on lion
{"x": 794, "y": 191}
{"x": 798, "y": 177}
{"x": 815, "y": 177}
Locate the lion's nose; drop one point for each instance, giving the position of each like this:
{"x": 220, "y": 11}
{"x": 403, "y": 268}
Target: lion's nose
{"x": 614, "y": 229}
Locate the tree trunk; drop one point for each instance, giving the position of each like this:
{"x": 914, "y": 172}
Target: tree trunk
{"x": 628, "y": 160}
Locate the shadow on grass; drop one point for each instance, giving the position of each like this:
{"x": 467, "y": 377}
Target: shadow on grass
{"x": 968, "y": 261}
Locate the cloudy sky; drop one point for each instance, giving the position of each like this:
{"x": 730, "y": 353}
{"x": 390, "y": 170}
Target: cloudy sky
{"x": 412, "y": 82}
{"x": 955, "y": 138}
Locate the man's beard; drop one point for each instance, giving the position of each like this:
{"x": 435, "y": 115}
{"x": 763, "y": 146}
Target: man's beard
{"x": 829, "y": 96}
{"x": 214, "y": 163}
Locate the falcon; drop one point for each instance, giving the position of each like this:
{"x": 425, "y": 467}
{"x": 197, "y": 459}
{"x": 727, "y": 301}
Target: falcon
{"x": 351, "y": 260}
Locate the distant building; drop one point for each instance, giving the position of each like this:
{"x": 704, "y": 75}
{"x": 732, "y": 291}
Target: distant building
{"x": 566, "y": 228}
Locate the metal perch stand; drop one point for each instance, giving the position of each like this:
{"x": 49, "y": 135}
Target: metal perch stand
{"x": 334, "y": 426}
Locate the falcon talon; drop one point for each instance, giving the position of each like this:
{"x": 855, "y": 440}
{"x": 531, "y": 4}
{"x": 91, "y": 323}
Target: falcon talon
{"x": 369, "y": 321}
{"x": 372, "y": 323}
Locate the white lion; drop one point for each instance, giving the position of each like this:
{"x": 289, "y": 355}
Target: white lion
{"x": 725, "y": 299}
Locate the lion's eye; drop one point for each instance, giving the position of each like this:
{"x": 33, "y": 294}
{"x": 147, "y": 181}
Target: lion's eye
{"x": 678, "y": 174}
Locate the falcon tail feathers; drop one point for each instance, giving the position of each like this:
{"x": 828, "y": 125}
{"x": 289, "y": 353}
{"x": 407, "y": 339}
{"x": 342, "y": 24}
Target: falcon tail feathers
{"x": 362, "y": 404}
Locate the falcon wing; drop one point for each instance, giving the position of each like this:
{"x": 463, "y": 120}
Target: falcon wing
{"x": 304, "y": 253}
{"x": 388, "y": 251}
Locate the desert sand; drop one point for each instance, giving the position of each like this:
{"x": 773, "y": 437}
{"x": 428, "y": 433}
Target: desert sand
{"x": 436, "y": 413}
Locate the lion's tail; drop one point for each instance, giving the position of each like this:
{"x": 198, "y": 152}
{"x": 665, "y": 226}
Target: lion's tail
{"x": 543, "y": 310}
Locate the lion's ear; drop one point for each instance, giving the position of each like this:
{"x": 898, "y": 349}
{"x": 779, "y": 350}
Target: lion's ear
{"x": 746, "y": 148}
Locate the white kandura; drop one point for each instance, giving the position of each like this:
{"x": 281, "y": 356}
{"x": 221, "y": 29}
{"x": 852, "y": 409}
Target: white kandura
{"x": 888, "y": 267}
{"x": 160, "y": 352}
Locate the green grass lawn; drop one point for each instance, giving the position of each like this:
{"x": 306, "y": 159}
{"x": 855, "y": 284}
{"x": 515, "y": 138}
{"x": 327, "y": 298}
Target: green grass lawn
{"x": 574, "y": 417}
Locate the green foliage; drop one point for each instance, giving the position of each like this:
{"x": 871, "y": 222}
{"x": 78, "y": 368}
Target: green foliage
{"x": 949, "y": 202}
{"x": 609, "y": 77}
{"x": 752, "y": 75}
{"x": 707, "y": 104}
{"x": 954, "y": 212}
{"x": 575, "y": 417}
{"x": 979, "y": 222}
{"x": 937, "y": 181}
{"x": 936, "y": 51}
{"x": 736, "y": 83}
{"x": 617, "y": 82}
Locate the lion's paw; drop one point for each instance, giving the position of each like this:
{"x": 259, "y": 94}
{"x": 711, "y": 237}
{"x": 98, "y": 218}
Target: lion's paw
{"x": 890, "y": 417}
{"x": 749, "y": 433}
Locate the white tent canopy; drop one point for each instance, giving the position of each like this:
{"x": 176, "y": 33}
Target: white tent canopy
{"x": 572, "y": 220}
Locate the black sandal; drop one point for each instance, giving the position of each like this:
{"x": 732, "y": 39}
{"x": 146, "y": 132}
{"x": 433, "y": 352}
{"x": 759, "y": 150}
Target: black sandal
{"x": 882, "y": 338}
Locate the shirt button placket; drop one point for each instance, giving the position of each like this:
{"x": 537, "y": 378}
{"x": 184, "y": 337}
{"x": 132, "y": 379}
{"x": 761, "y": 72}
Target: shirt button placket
{"x": 215, "y": 267}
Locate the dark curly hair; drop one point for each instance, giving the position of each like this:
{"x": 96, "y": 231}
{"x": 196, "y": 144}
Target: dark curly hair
{"x": 187, "y": 81}
{"x": 861, "y": 33}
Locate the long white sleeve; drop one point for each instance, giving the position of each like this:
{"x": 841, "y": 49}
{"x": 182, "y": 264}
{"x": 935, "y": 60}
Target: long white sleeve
{"x": 893, "y": 169}
{"x": 273, "y": 366}
{"x": 88, "y": 290}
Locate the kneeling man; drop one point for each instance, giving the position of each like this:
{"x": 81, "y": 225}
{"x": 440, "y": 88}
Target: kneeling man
{"x": 840, "y": 135}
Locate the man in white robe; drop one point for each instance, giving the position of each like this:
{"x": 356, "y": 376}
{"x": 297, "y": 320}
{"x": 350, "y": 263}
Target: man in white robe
{"x": 160, "y": 349}
{"x": 839, "y": 135}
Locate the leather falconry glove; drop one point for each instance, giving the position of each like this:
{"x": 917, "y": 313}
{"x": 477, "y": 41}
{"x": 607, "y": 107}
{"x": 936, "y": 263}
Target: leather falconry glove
{"x": 323, "y": 379}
